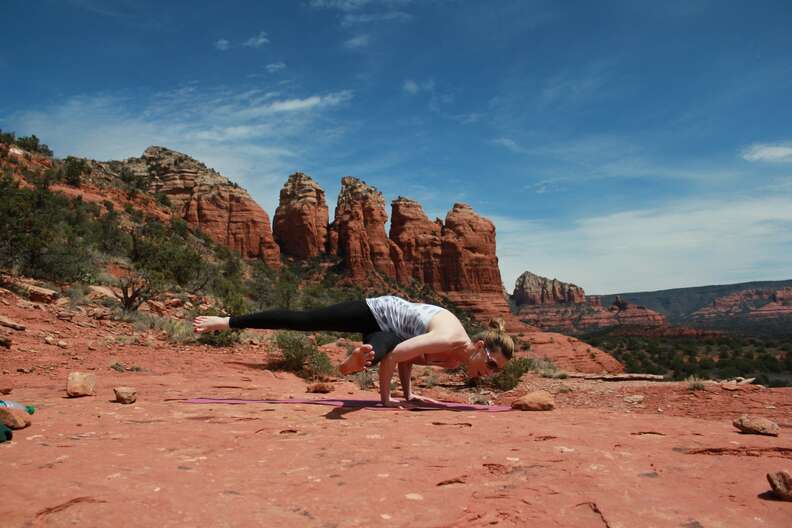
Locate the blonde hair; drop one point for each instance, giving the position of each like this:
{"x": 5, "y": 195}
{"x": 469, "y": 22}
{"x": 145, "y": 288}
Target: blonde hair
{"x": 495, "y": 336}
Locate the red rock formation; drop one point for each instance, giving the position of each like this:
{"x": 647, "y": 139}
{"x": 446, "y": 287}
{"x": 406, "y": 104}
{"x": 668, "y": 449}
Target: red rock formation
{"x": 300, "y": 221}
{"x": 582, "y": 317}
{"x": 573, "y": 355}
{"x": 357, "y": 233}
{"x": 419, "y": 240}
{"x": 532, "y": 289}
{"x": 468, "y": 261}
{"x": 207, "y": 200}
{"x": 753, "y": 304}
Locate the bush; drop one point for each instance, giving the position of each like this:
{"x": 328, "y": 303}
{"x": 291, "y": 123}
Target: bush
{"x": 509, "y": 377}
{"x": 301, "y": 356}
{"x": 73, "y": 169}
{"x": 31, "y": 143}
{"x": 695, "y": 383}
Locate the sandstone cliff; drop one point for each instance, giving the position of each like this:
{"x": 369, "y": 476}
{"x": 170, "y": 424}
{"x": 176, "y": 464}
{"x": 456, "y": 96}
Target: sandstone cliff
{"x": 300, "y": 221}
{"x": 532, "y": 289}
{"x": 207, "y": 200}
{"x": 357, "y": 233}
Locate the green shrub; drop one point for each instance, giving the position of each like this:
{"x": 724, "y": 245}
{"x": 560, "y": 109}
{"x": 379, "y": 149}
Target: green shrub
{"x": 509, "y": 377}
{"x": 301, "y": 356}
{"x": 695, "y": 383}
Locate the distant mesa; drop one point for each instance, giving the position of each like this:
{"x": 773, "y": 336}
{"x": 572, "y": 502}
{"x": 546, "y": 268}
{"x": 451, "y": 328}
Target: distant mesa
{"x": 558, "y": 306}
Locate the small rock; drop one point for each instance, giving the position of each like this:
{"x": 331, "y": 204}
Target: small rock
{"x": 781, "y": 483}
{"x": 414, "y": 496}
{"x": 27, "y": 370}
{"x": 81, "y": 384}
{"x": 731, "y": 386}
{"x": 320, "y": 388}
{"x": 62, "y": 344}
{"x": 5, "y": 388}
{"x": 756, "y": 425}
{"x": 535, "y": 401}
{"x": 49, "y": 340}
{"x": 125, "y": 394}
{"x": 14, "y": 418}
{"x": 4, "y": 321}
{"x": 634, "y": 398}
{"x": 5, "y": 341}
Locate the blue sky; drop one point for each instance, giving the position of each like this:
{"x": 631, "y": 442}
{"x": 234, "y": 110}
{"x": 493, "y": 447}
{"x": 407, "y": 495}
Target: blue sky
{"x": 618, "y": 145}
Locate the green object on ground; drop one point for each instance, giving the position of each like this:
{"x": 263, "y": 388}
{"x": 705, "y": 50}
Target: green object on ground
{"x": 30, "y": 409}
{"x": 5, "y": 434}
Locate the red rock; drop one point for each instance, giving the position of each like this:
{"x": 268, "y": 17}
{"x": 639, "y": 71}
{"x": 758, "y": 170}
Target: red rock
{"x": 300, "y": 221}
{"x": 210, "y": 202}
{"x": 532, "y": 290}
{"x": 81, "y": 384}
{"x": 125, "y": 395}
{"x": 781, "y": 483}
{"x": 535, "y": 401}
{"x": 419, "y": 240}
{"x": 468, "y": 260}
{"x": 14, "y": 418}
{"x": 4, "y": 321}
{"x": 570, "y": 354}
{"x": 320, "y": 388}
{"x": 357, "y": 233}
{"x": 756, "y": 425}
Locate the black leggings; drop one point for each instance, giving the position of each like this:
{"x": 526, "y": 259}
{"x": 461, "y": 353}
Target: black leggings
{"x": 350, "y": 316}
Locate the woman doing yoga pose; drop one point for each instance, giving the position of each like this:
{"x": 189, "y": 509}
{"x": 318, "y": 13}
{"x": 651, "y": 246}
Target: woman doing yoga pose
{"x": 397, "y": 334}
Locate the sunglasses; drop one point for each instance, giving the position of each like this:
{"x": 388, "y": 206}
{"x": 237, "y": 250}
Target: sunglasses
{"x": 490, "y": 362}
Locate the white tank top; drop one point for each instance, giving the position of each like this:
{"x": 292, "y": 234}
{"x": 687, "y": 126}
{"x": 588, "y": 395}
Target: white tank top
{"x": 403, "y": 318}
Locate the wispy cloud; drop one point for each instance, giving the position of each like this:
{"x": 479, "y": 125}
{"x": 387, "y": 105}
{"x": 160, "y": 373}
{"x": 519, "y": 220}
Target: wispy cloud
{"x": 354, "y": 5}
{"x": 683, "y": 243}
{"x": 275, "y": 67}
{"x": 778, "y": 152}
{"x": 222, "y": 44}
{"x": 510, "y": 144}
{"x": 254, "y": 137}
{"x": 357, "y": 42}
{"x": 257, "y": 41}
{"x": 350, "y": 19}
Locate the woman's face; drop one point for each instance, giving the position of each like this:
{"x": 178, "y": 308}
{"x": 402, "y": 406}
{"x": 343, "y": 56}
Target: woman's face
{"x": 485, "y": 361}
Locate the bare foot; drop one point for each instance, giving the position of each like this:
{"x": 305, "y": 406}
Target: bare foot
{"x": 357, "y": 360}
{"x": 209, "y": 323}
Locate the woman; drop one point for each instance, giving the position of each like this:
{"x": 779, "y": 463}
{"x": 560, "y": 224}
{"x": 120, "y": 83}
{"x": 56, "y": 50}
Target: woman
{"x": 396, "y": 334}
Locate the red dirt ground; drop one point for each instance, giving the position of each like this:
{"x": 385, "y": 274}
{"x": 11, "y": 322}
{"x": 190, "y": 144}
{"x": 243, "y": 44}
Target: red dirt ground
{"x": 595, "y": 461}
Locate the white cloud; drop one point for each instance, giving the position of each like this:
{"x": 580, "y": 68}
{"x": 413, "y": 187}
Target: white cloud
{"x": 222, "y": 44}
{"x": 275, "y": 67}
{"x": 684, "y": 243}
{"x": 354, "y": 5}
{"x": 254, "y": 137}
{"x": 779, "y": 152}
{"x": 360, "y": 41}
{"x": 257, "y": 41}
{"x": 510, "y": 144}
{"x": 367, "y": 18}
{"x": 411, "y": 87}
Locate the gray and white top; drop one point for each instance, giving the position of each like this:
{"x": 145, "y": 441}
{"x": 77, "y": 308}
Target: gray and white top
{"x": 403, "y": 318}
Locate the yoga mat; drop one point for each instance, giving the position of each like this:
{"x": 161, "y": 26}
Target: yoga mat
{"x": 374, "y": 405}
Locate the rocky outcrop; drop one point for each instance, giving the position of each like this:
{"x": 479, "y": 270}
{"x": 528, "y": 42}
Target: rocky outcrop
{"x": 747, "y": 305}
{"x": 570, "y": 354}
{"x": 468, "y": 260}
{"x": 582, "y": 317}
{"x": 300, "y": 221}
{"x": 208, "y": 201}
{"x": 419, "y": 240}
{"x": 357, "y": 233}
{"x": 532, "y": 289}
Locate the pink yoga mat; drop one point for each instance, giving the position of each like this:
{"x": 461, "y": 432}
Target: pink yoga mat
{"x": 374, "y": 405}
